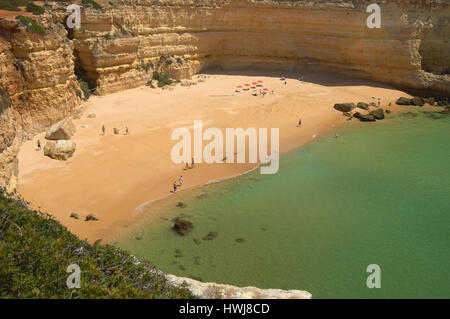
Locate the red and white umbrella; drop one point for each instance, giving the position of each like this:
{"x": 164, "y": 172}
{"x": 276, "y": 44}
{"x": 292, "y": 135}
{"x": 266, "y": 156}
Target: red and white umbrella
{"x": 260, "y": 81}
{"x": 247, "y": 84}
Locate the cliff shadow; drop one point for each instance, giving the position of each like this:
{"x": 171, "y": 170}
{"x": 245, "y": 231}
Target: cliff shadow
{"x": 332, "y": 79}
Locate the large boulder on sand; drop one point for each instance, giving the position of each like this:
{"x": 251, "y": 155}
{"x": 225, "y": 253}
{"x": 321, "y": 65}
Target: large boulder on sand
{"x": 344, "y": 107}
{"x": 362, "y": 105}
{"x": 63, "y": 130}
{"x": 403, "y": 101}
{"x": 418, "y": 101}
{"x": 60, "y": 150}
{"x": 378, "y": 114}
{"x": 365, "y": 117}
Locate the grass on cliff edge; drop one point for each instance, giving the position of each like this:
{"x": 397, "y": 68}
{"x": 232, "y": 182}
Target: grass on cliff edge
{"x": 35, "y": 251}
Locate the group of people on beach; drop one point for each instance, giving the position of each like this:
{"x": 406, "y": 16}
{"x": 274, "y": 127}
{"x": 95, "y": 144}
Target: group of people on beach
{"x": 180, "y": 179}
{"x": 104, "y": 130}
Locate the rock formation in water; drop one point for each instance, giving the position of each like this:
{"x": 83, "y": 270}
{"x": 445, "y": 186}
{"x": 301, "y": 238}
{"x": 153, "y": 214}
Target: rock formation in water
{"x": 119, "y": 47}
{"x": 213, "y": 291}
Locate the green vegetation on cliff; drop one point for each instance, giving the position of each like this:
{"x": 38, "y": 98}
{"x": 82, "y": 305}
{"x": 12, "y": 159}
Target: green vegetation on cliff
{"x": 35, "y": 251}
{"x": 30, "y": 25}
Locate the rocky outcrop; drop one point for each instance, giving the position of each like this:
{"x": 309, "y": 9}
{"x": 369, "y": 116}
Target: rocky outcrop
{"x": 344, "y": 107}
{"x": 363, "y": 105}
{"x": 37, "y": 78}
{"x": 212, "y": 290}
{"x": 60, "y": 150}
{"x": 378, "y": 114}
{"x": 63, "y": 130}
{"x": 365, "y": 117}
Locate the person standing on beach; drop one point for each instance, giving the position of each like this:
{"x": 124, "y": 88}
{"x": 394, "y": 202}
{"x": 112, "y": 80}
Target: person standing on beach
{"x": 192, "y": 164}
{"x": 181, "y": 180}
{"x": 299, "y": 122}
{"x": 126, "y": 130}
{"x": 174, "y": 187}
{"x": 39, "y": 144}
{"x": 103, "y": 129}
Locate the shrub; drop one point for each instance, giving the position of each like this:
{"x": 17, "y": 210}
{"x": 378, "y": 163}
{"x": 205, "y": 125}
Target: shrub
{"x": 162, "y": 78}
{"x": 35, "y": 251}
{"x": 12, "y": 5}
{"x": 92, "y": 3}
{"x": 30, "y": 25}
{"x": 35, "y": 9}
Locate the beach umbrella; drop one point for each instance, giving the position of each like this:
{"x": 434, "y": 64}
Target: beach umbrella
{"x": 260, "y": 81}
{"x": 239, "y": 86}
{"x": 255, "y": 83}
{"x": 247, "y": 84}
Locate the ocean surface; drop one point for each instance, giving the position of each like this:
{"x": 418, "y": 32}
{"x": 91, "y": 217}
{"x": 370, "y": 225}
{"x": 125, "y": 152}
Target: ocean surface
{"x": 378, "y": 194}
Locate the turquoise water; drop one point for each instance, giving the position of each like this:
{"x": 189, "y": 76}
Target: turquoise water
{"x": 379, "y": 194}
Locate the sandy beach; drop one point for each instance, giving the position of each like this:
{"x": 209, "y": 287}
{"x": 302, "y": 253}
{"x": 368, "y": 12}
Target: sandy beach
{"x": 111, "y": 175}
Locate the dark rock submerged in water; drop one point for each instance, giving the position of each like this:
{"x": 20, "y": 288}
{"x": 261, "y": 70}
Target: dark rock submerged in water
{"x": 182, "y": 226}
{"x": 211, "y": 235}
{"x": 181, "y": 205}
{"x": 344, "y": 107}
{"x": 365, "y": 117}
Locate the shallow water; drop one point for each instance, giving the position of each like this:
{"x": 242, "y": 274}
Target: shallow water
{"x": 379, "y": 194}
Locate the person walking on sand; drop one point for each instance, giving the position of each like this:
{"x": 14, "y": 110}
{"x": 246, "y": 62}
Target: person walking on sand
{"x": 186, "y": 166}
{"x": 39, "y": 144}
{"x": 126, "y": 130}
{"x": 174, "y": 187}
{"x": 181, "y": 180}
{"x": 299, "y": 122}
{"x": 193, "y": 163}
{"x": 103, "y": 129}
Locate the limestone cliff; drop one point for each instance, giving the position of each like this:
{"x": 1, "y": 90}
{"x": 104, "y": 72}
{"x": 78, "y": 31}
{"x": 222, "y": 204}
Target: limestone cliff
{"x": 409, "y": 51}
{"x": 120, "y": 45}
{"x": 38, "y": 84}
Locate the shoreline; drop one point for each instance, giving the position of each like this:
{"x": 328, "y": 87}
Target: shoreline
{"x": 125, "y": 173}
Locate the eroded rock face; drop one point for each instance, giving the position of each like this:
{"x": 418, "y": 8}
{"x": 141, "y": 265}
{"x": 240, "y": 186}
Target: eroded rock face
{"x": 59, "y": 150}
{"x": 130, "y": 37}
{"x": 63, "y": 130}
{"x": 37, "y": 77}
{"x": 212, "y": 290}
